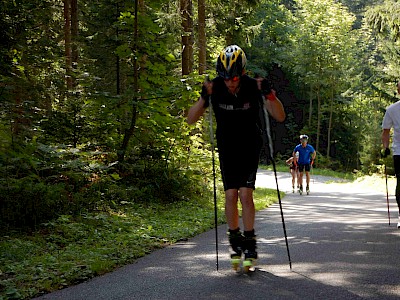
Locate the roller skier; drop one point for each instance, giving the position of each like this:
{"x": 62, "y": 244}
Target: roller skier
{"x": 304, "y": 161}
{"x": 294, "y": 171}
{"x": 392, "y": 120}
{"x": 235, "y": 99}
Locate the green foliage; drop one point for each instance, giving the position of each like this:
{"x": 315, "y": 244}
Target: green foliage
{"x": 60, "y": 148}
{"x": 69, "y": 250}
{"x": 59, "y": 168}
{"x": 61, "y": 180}
{"x": 39, "y": 183}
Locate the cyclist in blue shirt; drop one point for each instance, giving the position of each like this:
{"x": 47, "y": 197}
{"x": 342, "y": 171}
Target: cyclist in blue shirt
{"x": 304, "y": 161}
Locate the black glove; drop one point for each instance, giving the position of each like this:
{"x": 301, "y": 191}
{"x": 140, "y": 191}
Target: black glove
{"x": 266, "y": 87}
{"x": 385, "y": 152}
{"x": 204, "y": 94}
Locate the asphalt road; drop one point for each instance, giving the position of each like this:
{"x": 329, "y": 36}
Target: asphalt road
{"x": 340, "y": 243}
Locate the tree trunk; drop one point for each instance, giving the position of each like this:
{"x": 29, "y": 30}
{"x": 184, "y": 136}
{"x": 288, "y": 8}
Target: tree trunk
{"x": 318, "y": 119}
{"x": 202, "y": 36}
{"x": 310, "y": 107}
{"x": 67, "y": 40}
{"x": 117, "y": 59}
{"x": 328, "y": 149}
{"x": 74, "y": 40}
{"x": 129, "y": 131}
{"x": 187, "y": 36}
{"x": 141, "y": 5}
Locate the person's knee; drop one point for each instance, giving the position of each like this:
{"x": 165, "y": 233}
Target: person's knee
{"x": 246, "y": 196}
{"x": 231, "y": 195}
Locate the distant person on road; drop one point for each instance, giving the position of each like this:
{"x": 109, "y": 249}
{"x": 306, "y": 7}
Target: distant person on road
{"x": 392, "y": 120}
{"x": 304, "y": 161}
{"x": 236, "y": 101}
{"x": 294, "y": 171}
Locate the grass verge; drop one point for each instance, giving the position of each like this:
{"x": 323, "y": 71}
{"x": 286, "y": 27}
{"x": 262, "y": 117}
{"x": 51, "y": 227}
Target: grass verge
{"x": 282, "y": 167}
{"x": 71, "y": 250}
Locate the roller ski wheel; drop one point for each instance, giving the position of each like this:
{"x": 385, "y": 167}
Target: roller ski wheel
{"x": 235, "y": 262}
{"x": 249, "y": 265}
{"x": 250, "y": 253}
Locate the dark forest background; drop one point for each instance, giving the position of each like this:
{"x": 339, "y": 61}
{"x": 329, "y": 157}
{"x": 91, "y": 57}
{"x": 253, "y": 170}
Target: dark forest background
{"x": 93, "y": 94}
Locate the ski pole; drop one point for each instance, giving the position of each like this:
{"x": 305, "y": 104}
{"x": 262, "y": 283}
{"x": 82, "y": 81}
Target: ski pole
{"x": 268, "y": 130}
{"x": 387, "y": 194}
{"x": 214, "y": 181}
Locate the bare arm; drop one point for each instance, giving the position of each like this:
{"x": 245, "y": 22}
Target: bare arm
{"x": 196, "y": 111}
{"x": 273, "y": 105}
{"x": 385, "y": 138}
{"x": 275, "y": 108}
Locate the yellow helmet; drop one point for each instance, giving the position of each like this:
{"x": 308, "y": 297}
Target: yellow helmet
{"x": 231, "y": 62}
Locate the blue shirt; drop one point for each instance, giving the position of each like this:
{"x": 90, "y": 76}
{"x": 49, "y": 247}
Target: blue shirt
{"x": 304, "y": 153}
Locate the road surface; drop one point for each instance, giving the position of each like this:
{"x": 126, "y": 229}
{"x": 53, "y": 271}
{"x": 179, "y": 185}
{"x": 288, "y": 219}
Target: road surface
{"x": 340, "y": 243}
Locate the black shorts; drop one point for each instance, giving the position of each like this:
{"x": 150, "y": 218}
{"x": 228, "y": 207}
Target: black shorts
{"x": 396, "y": 160}
{"x": 239, "y": 166}
{"x": 306, "y": 167}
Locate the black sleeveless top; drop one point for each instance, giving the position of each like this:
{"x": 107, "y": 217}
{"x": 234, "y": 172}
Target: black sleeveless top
{"x": 237, "y": 116}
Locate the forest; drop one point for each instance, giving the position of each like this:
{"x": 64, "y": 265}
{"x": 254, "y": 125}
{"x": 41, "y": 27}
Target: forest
{"x": 94, "y": 94}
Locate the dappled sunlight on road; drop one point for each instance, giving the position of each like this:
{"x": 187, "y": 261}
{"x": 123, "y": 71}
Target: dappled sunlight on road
{"x": 336, "y": 234}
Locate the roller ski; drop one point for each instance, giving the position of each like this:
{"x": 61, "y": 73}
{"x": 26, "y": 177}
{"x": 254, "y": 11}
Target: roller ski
{"x": 301, "y": 190}
{"x": 236, "y": 242}
{"x": 242, "y": 245}
{"x": 308, "y": 190}
{"x": 250, "y": 253}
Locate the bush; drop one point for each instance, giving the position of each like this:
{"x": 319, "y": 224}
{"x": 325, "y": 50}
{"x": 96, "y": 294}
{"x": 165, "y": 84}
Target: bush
{"x": 26, "y": 203}
{"x": 163, "y": 185}
{"x": 39, "y": 183}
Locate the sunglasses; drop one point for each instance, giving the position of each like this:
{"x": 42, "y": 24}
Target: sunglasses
{"x": 234, "y": 78}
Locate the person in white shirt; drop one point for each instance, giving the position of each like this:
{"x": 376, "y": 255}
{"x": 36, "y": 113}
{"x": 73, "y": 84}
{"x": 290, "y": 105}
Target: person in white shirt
{"x": 392, "y": 120}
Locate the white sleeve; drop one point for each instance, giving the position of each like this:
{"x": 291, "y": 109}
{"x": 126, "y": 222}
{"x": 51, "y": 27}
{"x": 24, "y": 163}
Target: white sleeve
{"x": 387, "y": 121}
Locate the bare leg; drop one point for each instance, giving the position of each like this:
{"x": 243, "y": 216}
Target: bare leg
{"x": 298, "y": 177}
{"x": 249, "y": 212}
{"x": 293, "y": 172}
{"x": 231, "y": 208}
{"x": 301, "y": 178}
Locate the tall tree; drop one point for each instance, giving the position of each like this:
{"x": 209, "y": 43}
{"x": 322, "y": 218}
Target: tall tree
{"x": 71, "y": 28}
{"x": 201, "y": 6}
{"x": 384, "y": 20}
{"x": 322, "y": 52}
{"x": 186, "y": 8}
{"x": 68, "y": 43}
{"x": 131, "y": 128}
